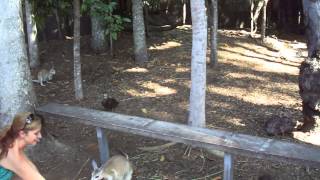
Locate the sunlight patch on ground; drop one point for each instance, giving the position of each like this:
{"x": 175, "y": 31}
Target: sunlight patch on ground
{"x": 137, "y": 69}
{"x": 279, "y": 68}
{"x": 255, "y": 96}
{"x": 182, "y": 69}
{"x": 184, "y": 27}
{"x": 169, "y": 81}
{"x": 236, "y": 121}
{"x": 151, "y": 89}
{"x": 167, "y": 45}
{"x": 158, "y": 89}
{"x": 245, "y": 75}
{"x": 258, "y": 59}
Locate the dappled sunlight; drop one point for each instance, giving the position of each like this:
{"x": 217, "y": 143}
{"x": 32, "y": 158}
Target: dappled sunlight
{"x": 242, "y": 54}
{"x": 236, "y": 121}
{"x": 158, "y": 89}
{"x": 259, "y": 96}
{"x": 137, "y": 69}
{"x": 182, "y": 69}
{"x": 184, "y": 27}
{"x": 245, "y": 75}
{"x": 151, "y": 89}
{"x": 277, "y": 67}
{"x": 166, "y": 45}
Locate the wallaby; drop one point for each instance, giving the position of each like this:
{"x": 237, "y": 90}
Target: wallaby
{"x": 45, "y": 75}
{"x": 116, "y": 168}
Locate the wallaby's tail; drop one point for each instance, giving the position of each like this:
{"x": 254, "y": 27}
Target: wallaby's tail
{"x": 37, "y": 81}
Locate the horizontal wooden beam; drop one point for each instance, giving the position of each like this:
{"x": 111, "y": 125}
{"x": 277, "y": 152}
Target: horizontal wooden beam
{"x": 229, "y": 142}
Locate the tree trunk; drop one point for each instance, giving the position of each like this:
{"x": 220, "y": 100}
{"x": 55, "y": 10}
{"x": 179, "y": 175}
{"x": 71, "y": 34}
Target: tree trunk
{"x": 140, "y": 47}
{"x": 76, "y": 51}
{"x": 187, "y": 12}
{"x": 256, "y": 15}
{"x": 198, "y": 64}
{"x": 16, "y": 90}
{"x": 251, "y": 16}
{"x": 214, "y": 32}
{"x": 309, "y": 91}
{"x": 184, "y": 12}
{"x": 264, "y": 18}
{"x": 56, "y": 14}
{"x": 32, "y": 36}
{"x": 111, "y": 46}
{"x": 146, "y": 17}
{"x": 110, "y": 37}
{"x": 98, "y": 38}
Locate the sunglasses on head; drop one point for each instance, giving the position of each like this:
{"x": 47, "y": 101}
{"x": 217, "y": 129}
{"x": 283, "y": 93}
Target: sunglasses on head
{"x": 28, "y": 120}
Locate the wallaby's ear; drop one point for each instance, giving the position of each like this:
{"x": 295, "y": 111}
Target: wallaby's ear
{"x": 52, "y": 65}
{"x": 94, "y": 164}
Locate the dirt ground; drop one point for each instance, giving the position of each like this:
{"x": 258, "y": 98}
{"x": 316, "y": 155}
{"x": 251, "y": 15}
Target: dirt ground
{"x": 250, "y": 84}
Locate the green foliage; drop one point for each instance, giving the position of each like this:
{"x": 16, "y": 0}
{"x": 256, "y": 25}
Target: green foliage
{"x": 104, "y": 11}
{"x": 43, "y": 9}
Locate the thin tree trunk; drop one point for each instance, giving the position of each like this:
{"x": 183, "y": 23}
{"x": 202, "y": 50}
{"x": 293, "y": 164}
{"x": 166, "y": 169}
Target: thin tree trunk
{"x": 251, "y": 16}
{"x": 98, "y": 38}
{"x": 198, "y": 64}
{"x": 56, "y": 14}
{"x": 214, "y": 32}
{"x": 76, "y": 51}
{"x": 110, "y": 38}
{"x": 146, "y": 16}
{"x": 264, "y": 18}
{"x": 16, "y": 89}
{"x": 256, "y": 15}
{"x": 32, "y": 36}
{"x": 111, "y": 46}
{"x": 139, "y": 37}
{"x": 184, "y": 12}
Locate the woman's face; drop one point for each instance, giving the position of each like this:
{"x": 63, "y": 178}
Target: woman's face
{"x": 33, "y": 136}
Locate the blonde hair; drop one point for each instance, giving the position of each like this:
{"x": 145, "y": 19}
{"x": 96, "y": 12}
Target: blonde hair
{"x": 24, "y": 121}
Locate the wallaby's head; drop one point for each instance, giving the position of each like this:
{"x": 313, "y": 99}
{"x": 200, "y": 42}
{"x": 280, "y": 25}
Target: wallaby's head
{"x": 52, "y": 71}
{"x": 98, "y": 174}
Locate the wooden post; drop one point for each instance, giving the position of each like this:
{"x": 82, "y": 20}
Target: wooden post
{"x": 228, "y": 167}
{"x": 103, "y": 145}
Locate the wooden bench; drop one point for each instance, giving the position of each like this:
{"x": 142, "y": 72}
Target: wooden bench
{"x": 228, "y": 142}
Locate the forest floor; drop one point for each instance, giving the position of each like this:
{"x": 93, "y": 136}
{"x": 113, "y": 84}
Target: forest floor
{"x": 250, "y": 84}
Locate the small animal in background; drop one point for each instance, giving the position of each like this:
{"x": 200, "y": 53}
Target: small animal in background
{"x": 116, "y": 168}
{"x": 45, "y": 75}
{"x": 279, "y": 125}
{"x": 109, "y": 103}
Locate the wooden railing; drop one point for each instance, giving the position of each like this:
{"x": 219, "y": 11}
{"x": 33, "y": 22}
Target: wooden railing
{"x": 228, "y": 142}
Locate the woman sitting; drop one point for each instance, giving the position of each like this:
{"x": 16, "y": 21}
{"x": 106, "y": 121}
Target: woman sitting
{"x": 25, "y": 130}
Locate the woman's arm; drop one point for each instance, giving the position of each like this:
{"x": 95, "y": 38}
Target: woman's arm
{"x": 26, "y": 171}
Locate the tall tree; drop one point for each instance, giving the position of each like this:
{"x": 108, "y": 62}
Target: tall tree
{"x": 198, "y": 64}
{"x": 255, "y": 12}
{"x": 186, "y": 12}
{"x": 16, "y": 90}
{"x": 76, "y": 52}
{"x": 56, "y": 14}
{"x": 213, "y": 32}
{"x": 32, "y": 36}
{"x": 99, "y": 42}
{"x": 139, "y": 35}
{"x": 264, "y": 19}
